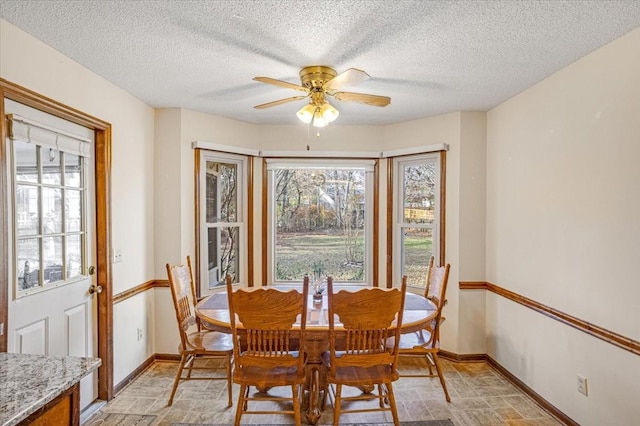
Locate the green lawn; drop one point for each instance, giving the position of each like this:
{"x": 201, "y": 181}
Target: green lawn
{"x": 302, "y": 253}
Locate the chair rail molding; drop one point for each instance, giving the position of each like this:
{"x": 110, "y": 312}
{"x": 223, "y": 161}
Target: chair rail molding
{"x": 602, "y": 333}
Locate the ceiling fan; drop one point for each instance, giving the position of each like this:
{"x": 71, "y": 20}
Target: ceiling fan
{"x": 318, "y": 82}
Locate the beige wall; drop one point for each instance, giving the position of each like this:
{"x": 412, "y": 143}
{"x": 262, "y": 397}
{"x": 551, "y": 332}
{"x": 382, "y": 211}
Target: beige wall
{"x": 167, "y": 190}
{"x": 332, "y": 138}
{"x": 563, "y": 229}
{"x": 470, "y": 234}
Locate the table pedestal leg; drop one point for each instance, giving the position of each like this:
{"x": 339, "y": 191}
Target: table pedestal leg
{"x": 313, "y": 410}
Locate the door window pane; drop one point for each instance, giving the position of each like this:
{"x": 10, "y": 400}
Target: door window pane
{"x": 51, "y": 210}
{"x": 72, "y": 170}
{"x": 27, "y": 210}
{"x": 28, "y": 256}
{"x": 26, "y": 158}
{"x": 51, "y": 168}
{"x": 73, "y": 210}
{"x": 74, "y": 256}
{"x": 52, "y": 259}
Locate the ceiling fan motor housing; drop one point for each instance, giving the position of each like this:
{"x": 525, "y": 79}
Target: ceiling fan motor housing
{"x": 314, "y": 77}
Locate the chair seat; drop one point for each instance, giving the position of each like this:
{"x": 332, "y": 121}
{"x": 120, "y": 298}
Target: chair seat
{"x": 261, "y": 378}
{"x": 357, "y": 376}
{"x": 414, "y": 342}
{"x": 210, "y": 341}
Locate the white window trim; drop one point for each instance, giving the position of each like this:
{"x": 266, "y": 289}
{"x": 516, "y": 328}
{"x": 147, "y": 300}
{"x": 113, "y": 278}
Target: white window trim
{"x": 230, "y": 149}
{"x": 50, "y": 136}
{"x": 275, "y": 164}
{"x": 398, "y": 195}
{"x": 242, "y": 162}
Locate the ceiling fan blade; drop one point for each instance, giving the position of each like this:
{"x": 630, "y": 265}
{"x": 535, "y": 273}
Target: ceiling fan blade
{"x": 279, "y": 102}
{"x": 373, "y": 100}
{"x": 280, "y": 83}
{"x": 350, "y": 76}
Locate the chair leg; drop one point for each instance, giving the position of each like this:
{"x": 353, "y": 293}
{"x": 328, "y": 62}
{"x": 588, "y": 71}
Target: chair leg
{"x": 191, "y": 360}
{"x": 323, "y": 380}
{"x": 430, "y": 363}
{"x": 296, "y": 404}
{"x": 324, "y": 397}
{"x": 229, "y": 384}
{"x": 392, "y": 403}
{"x": 336, "y": 405}
{"x": 246, "y": 397}
{"x": 241, "y": 404}
{"x": 183, "y": 360}
{"x": 441, "y": 376}
{"x": 382, "y": 396}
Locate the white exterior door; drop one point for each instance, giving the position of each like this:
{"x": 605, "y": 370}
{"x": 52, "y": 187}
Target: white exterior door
{"x": 51, "y": 308}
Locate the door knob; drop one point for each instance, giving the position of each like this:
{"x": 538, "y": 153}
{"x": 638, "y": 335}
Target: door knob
{"x": 97, "y": 289}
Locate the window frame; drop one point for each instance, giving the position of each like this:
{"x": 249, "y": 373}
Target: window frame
{"x": 243, "y": 183}
{"x": 371, "y": 182}
{"x": 66, "y": 144}
{"x": 396, "y": 187}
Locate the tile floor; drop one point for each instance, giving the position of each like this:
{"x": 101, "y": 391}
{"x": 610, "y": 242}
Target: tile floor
{"x": 479, "y": 396}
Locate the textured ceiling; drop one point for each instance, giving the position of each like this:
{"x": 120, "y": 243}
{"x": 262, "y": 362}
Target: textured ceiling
{"x": 430, "y": 57}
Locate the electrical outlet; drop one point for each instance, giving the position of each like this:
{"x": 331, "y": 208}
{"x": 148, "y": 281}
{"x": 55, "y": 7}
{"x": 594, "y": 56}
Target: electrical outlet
{"x": 139, "y": 334}
{"x": 117, "y": 255}
{"x": 582, "y": 385}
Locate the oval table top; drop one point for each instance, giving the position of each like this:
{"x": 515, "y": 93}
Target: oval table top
{"x": 418, "y": 312}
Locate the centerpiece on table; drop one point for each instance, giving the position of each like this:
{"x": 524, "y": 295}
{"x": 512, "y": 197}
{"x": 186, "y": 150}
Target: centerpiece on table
{"x": 318, "y": 281}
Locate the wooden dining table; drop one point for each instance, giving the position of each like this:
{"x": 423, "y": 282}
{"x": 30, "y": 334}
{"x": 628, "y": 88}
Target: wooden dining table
{"x": 214, "y": 311}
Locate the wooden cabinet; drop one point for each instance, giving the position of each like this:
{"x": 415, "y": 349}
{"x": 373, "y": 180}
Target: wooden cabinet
{"x": 63, "y": 410}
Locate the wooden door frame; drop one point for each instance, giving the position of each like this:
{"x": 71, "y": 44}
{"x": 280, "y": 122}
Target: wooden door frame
{"x": 103, "y": 265}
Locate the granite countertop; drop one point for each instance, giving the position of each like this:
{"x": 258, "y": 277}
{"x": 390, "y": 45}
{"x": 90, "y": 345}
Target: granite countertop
{"x": 28, "y": 382}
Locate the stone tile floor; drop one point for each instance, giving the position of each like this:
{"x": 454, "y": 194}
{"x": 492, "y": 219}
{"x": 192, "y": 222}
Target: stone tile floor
{"x": 479, "y": 396}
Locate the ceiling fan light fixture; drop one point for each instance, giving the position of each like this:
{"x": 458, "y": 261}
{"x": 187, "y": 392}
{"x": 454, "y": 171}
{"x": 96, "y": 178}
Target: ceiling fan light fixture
{"x": 306, "y": 113}
{"x": 318, "y": 119}
{"x": 329, "y": 113}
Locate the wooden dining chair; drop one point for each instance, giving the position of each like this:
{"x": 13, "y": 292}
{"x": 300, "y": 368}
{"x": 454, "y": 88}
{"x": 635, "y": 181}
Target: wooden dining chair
{"x": 357, "y": 354}
{"x": 268, "y": 351}
{"x": 206, "y": 346}
{"x": 425, "y": 343}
